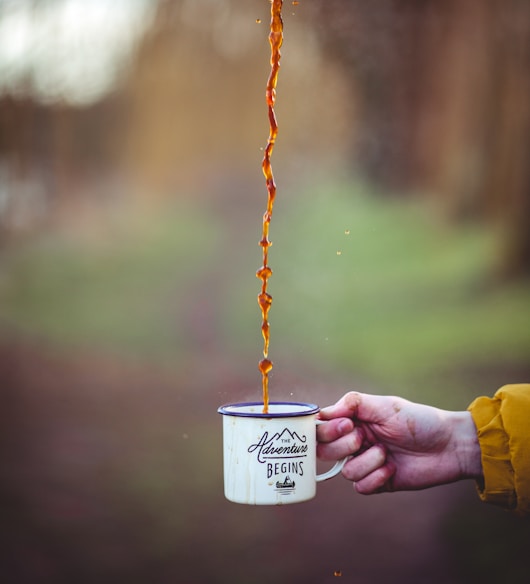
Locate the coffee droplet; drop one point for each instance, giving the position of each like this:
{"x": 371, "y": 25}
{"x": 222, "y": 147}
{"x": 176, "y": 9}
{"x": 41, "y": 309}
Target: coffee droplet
{"x": 264, "y": 272}
{"x": 265, "y": 365}
{"x": 264, "y": 301}
{"x": 258, "y": 20}
{"x": 337, "y": 573}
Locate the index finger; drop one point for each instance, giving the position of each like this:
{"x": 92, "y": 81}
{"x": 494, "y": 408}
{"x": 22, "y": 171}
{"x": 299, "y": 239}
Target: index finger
{"x": 330, "y": 431}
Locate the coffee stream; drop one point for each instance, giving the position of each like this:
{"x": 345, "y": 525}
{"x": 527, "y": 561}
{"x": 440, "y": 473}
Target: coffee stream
{"x": 264, "y": 298}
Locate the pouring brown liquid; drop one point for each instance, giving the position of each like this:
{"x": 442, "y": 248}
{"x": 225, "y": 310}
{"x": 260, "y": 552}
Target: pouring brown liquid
{"x": 264, "y": 298}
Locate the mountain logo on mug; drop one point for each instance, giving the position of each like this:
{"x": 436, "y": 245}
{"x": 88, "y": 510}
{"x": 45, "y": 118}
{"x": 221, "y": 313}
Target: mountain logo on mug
{"x": 281, "y": 445}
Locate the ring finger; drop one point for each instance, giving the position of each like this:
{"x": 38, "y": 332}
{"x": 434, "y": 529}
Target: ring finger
{"x": 365, "y": 463}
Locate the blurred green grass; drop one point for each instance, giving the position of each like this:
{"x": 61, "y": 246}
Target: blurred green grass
{"x": 374, "y": 287}
{"x": 120, "y": 285}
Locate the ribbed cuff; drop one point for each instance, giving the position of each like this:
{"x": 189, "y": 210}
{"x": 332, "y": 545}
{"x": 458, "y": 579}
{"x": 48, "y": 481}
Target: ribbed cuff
{"x": 497, "y": 487}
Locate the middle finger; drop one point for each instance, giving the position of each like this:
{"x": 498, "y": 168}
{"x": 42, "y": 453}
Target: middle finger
{"x": 342, "y": 447}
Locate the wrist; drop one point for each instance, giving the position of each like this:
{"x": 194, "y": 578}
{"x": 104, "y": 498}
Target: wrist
{"x": 466, "y": 446}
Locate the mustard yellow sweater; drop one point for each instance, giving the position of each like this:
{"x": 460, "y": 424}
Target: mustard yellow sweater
{"x": 503, "y": 424}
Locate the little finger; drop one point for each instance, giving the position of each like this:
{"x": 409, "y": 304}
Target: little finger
{"x": 378, "y": 481}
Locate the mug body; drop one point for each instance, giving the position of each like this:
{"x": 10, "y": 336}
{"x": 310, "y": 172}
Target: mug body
{"x": 269, "y": 458}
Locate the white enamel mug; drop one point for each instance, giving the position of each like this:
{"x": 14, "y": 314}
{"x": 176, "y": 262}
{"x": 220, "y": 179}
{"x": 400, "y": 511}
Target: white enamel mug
{"x": 270, "y": 458}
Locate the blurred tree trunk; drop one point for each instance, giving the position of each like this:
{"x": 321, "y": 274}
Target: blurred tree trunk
{"x": 506, "y": 184}
{"x": 443, "y": 91}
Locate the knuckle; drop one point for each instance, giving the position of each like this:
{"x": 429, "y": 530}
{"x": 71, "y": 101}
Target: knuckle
{"x": 323, "y": 452}
{"x": 380, "y": 453}
{"x": 348, "y": 470}
{"x": 354, "y": 441}
{"x": 352, "y": 399}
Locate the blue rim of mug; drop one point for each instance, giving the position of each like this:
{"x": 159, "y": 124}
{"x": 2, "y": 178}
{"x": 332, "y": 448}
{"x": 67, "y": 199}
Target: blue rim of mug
{"x": 309, "y": 409}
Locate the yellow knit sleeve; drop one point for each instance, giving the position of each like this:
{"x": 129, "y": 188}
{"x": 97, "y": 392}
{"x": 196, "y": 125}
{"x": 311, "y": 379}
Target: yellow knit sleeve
{"x": 503, "y": 424}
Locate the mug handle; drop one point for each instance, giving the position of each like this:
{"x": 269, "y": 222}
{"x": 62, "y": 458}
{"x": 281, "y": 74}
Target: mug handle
{"x": 335, "y": 469}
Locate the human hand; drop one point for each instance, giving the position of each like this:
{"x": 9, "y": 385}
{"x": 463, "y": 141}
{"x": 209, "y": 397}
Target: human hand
{"x": 398, "y": 445}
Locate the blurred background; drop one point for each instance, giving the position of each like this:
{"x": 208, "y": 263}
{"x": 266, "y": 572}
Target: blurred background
{"x": 131, "y": 197}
